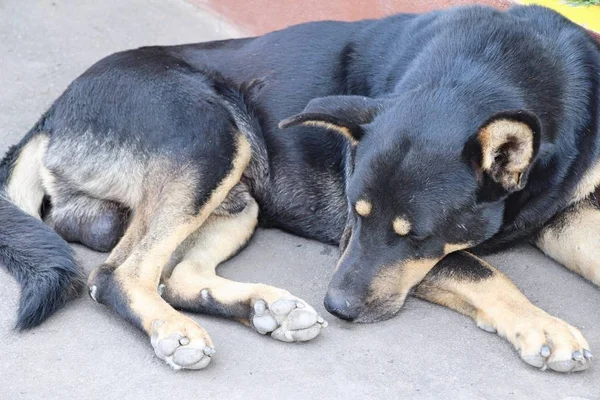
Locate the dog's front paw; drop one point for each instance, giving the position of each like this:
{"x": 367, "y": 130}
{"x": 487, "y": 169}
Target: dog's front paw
{"x": 181, "y": 344}
{"x": 287, "y": 319}
{"x": 546, "y": 342}
{"x": 551, "y": 343}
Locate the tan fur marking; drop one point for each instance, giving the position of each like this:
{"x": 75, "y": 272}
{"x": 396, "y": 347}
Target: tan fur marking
{"x": 134, "y": 233}
{"x": 170, "y": 229}
{"x": 575, "y": 241}
{"x": 24, "y": 186}
{"x": 445, "y": 298}
{"x": 395, "y": 282}
{"x": 169, "y": 225}
{"x": 340, "y": 129}
{"x": 588, "y": 184}
{"x": 217, "y": 240}
{"x": 499, "y": 133}
{"x": 401, "y": 226}
{"x": 496, "y": 304}
{"x": 363, "y": 208}
{"x": 48, "y": 181}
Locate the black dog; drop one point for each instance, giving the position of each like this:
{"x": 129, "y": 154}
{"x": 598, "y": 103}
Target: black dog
{"x": 462, "y": 129}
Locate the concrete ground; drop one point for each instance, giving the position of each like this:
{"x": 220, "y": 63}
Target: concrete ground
{"x": 84, "y": 351}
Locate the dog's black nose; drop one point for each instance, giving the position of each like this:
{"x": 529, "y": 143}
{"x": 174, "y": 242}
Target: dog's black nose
{"x": 341, "y": 306}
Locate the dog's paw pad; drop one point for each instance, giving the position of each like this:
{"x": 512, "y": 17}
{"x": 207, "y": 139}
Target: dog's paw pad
{"x": 287, "y": 319}
{"x": 178, "y": 349}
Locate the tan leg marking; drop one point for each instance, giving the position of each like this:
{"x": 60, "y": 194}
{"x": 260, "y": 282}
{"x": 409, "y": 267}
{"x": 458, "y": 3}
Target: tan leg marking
{"x": 573, "y": 240}
{"x": 24, "y": 186}
{"x": 177, "y": 339}
{"x": 134, "y": 233}
{"x": 195, "y": 286}
{"x": 496, "y": 305}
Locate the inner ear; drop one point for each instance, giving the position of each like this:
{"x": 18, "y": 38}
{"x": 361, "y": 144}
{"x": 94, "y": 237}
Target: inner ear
{"x": 342, "y": 114}
{"x": 507, "y": 146}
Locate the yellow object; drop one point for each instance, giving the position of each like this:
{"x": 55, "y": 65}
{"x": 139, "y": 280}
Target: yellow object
{"x": 584, "y": 15}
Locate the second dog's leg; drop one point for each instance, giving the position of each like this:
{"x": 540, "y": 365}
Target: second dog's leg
{"x": 195, "y": 286}
{"x": 471, "y": 286}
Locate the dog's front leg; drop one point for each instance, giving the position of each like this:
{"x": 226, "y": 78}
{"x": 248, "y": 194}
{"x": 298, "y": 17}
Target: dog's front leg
{"x": 195, "y": 286}
{"x": 471, "y": 286}
{"x": 573, "y": 239}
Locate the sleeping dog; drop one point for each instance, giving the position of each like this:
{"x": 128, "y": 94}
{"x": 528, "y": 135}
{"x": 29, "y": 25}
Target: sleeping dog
{"x": 415, "y": 142}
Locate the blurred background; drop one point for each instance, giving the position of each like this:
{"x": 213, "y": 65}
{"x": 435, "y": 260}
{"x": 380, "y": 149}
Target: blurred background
{"x": 260, "y": 16}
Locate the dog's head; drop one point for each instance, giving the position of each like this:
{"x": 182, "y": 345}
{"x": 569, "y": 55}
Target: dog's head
{"x": 419, "y": 188}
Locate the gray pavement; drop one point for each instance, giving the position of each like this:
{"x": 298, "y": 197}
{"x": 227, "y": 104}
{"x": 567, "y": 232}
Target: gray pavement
{"x": 84, "y": 351}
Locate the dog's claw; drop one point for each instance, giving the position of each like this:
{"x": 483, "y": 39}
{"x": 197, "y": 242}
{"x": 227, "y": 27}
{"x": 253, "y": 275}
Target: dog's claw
{"x": 205, "y": 294}
{"x": 587, "y": 354}
{"x": 209, "y": 351}
{"x": 577, "y": 356}
{"x": 545, "y": 351}
{"x": 92, "y": 291}
{"x": 259, "y": 307}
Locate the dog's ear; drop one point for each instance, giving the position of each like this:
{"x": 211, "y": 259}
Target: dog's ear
{"x": 343, "y": 114}
{"x": 503, "y": 151}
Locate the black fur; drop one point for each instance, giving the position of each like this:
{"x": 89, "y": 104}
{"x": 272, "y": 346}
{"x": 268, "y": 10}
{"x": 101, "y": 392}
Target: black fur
{"x": 105, "y": 289}
{"x": 207, "y": 304}
{"x": 439, "y": 78}
{"x": 460, "y": 266}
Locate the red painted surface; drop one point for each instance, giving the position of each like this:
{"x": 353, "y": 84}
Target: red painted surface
{"x": 261, "y": 16}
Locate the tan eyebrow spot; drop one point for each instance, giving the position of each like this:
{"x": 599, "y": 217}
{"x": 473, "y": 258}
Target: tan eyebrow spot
{"x": 401, "y": 226}
{"x": 363, "y": 207}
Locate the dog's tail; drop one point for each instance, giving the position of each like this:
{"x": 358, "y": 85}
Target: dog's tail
{"x": 40, "y": 260}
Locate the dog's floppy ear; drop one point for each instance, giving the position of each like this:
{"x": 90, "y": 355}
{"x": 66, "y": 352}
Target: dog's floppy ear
{"x": 343, "y": 114}
{"x": 503, "y": 151}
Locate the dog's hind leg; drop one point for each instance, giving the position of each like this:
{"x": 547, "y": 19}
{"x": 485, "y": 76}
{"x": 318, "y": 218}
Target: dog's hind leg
{"x": 195, "y": 286}
{"x": 471, "y": 286}
{"x": 573, "y": 239}
{"x": 131, "y": 289}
